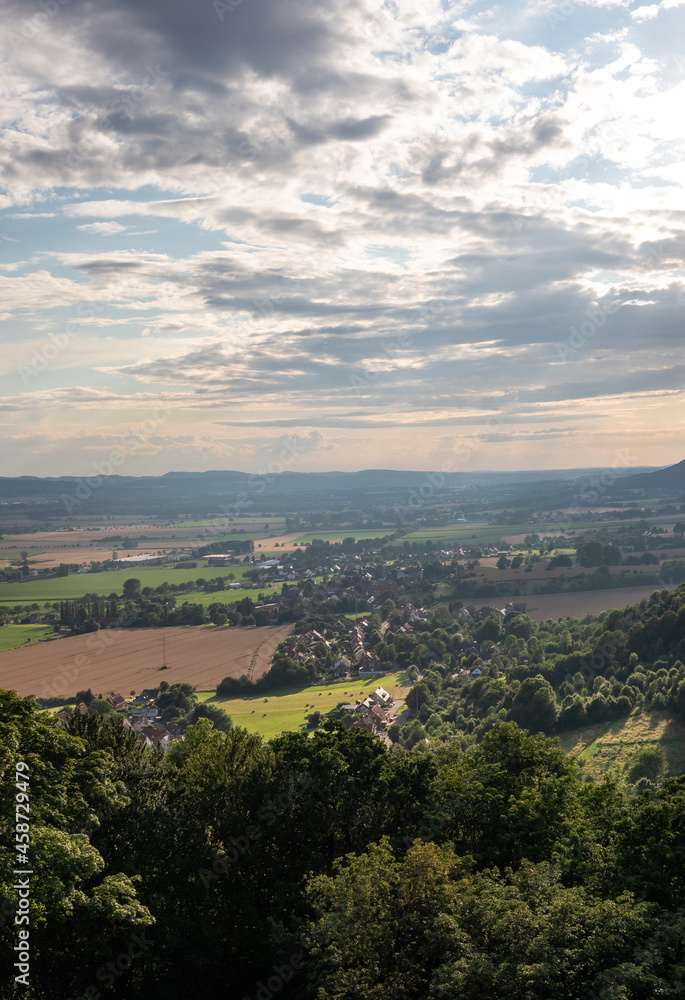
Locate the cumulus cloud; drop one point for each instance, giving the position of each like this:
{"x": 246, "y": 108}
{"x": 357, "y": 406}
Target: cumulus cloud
{"x": 373, "y": 218}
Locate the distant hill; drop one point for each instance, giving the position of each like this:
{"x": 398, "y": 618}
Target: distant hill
{"x": 671, "y": 479}
{"x": 230, "y": 491}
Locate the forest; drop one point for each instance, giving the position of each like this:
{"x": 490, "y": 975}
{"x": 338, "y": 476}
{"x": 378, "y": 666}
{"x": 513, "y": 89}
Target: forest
{"x": 469, "y": 859}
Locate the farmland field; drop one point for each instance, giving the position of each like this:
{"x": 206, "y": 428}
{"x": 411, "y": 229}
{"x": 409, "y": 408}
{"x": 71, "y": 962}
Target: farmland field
{"x": 484, "y": 533}
{"x": 612, "y": 746}
{"x": 109, "y": 581}
{"x": 17, "y": 636}
{"x": 130, "y": 659}
{"x": 286, "y": 709}
{"x": 581, "y": 603}
{"x": 339, "y": 535}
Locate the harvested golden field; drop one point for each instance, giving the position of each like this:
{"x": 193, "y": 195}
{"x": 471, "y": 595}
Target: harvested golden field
{"x": 127, "y": 660}
{"x": 581, "y": 603}
{"x": 51, "y": 558}
{"x": 280, "y": 541}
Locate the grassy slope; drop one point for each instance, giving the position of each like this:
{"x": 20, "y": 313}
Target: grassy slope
{"x": 612, "y": 746}
{"x": 286, "y": 709}
{"x": 14, "y": 636}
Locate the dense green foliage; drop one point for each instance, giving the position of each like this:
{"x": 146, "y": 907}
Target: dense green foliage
{"x": 549, "y": 677}
{"x": 336, "y": 867}
{"x": 467, "y": 860}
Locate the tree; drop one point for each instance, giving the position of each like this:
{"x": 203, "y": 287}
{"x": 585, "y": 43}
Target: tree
{"x": 490, "y": 628}
{"x": 99, "y": 706}
{"x": 398, "y": 903}
{"x": 131, "y": 588}
{"x": 649, "y": 763}
{"x": 220, "y": 719}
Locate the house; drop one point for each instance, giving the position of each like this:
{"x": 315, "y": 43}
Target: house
{"x": 369, "y": 663}
{"x": 155, "y": 737}
{"x": 116, "y": 700}
{"x": 380, "y": 715}
{"x": 220, "y": 559}
{"x": 475, "y": 672}
{"x": 375, "y": 720}
{"x": 342, "y": 667}
{"x": 149, "y": 712}
{"x": 266, "y": 614}
{"x": 175, "y": 731}
{"x": 382, "y": 696}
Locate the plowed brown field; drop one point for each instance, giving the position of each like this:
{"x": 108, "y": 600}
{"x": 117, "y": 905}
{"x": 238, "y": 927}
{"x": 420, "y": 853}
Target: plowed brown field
{"x": 125, "y": 660}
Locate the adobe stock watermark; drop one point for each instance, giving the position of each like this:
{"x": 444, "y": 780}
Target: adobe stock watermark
{"x": 599, "y": 484}
{"x": 121, "y": 107}
{"x": 128, "y": 445}
{"x": 464, "y": 449}
{"x": 259, "y": 482}
{"x": 266, "y": 815}
{"x": 222, "y": 8}
{"x": 57, "y": 342}
{"x": 66, "y": 677}
{"x": 22, "y": 886}
{"x": 282, "y": 974}
{"x": 591, "y": 668}
{"x": 31, "y": 26}
{"x": 111, "y": 971}
{"x": 403, "y": 339}
{"x": 596, "y": 318}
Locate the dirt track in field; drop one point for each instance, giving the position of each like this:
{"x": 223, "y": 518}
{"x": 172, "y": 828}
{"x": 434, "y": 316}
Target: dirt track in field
{"x": 125, "y": 660}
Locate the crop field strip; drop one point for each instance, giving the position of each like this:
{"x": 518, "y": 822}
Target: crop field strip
{"x": 130, "y": 659}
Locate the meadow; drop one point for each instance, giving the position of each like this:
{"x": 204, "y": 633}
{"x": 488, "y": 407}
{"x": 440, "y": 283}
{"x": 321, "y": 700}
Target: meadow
{"x": 611, "y": 747}
{"x": 287, "y": 709}
{"x": 110, "y": 582}
{"x": 18, "y": 636}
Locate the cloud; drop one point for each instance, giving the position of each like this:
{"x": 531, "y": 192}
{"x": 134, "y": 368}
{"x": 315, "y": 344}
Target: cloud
{"x": 102, "y": 228}
{"x": 480, "y": 195}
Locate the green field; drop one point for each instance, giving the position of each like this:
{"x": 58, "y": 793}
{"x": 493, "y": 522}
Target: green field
{"x": 338, "y": 536}
{"x": 14, "y": 636}
{"x": 227, "y": 596}
{"x": 286, "y": 709}
{"x": 276, "y": 524}
{"x": 481, "y": 532}
{"x": 612, "y": 746}
{"x": 112, "y": 582}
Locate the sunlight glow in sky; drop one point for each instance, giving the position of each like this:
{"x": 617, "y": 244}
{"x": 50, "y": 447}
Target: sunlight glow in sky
{"x": 376, "y": 230}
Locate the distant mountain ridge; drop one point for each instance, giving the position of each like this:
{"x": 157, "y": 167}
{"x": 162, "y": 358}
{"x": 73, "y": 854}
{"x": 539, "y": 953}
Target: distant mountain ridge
{"x": 670, "y": 478}
{"x": 235, "y": 492}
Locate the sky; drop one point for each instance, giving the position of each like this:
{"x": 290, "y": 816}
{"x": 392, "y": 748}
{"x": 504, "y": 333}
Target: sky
{"x": 303, "y": 235}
